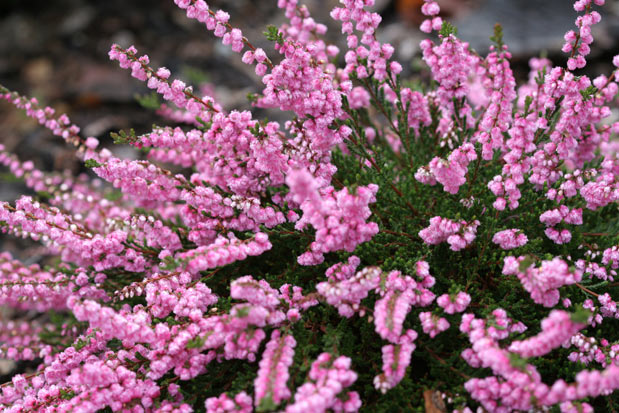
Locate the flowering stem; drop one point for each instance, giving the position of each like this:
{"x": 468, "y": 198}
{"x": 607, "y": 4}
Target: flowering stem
{"x": 586, "y": 290}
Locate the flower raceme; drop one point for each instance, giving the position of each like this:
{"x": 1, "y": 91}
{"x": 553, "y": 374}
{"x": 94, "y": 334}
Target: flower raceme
{"x": 300, "y": 266}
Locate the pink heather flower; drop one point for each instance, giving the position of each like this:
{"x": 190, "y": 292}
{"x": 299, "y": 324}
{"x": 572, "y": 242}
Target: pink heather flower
{"x": 542, "y": 282}
{"x": 328, "y": 377}
{"x": 432, "y": 325}
{"x": 451, "y": 172}
{"x": 422, "y": 269}
{"x": 346, "y": 294}
{"x": 399, "y": 293}
{"x": 456, "y": 304}
{"x": 431, "y": 9}
{"x": 396, "y": 359}
{"x": 580, "y": 42}
{"x": 559, "y": 237}
{"x": 510, "y": 239}
{"x": 223, "y": 404}
{"x": 556, "y": 330}
{"x": 451, "y": 64}
{"x": 358, "y": 98}
{"x": 573, "y": 407}
{"x": 273, "y": 371}
{"x": 496, "y": 77}
{"x": 458, "y": 234}
{"x": 338, "y": 217}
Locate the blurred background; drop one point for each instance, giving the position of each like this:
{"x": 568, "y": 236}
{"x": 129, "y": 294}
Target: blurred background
{"x": 56, "y": 50}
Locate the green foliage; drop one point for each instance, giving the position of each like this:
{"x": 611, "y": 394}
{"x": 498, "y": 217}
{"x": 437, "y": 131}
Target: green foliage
{"x": 581, "y": 315}
{"x": 149, "y": 101}
{"x": 589, "y": 92}
{"x": 123, "y": 137}
{"x": 497, "y": 37}
{"x": 273, "y": 34}
{"x": 448, "y": 29}
{"x": 91, "y": 163}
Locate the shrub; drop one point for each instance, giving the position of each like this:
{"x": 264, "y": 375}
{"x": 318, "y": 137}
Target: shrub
{"x": 392, "y": 246}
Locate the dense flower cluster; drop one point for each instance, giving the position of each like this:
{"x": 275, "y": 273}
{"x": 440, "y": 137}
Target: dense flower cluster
{"x": 244, "y": 265}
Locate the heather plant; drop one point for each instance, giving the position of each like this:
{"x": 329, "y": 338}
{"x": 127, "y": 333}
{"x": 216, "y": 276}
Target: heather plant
{"x": 392, "y": 246}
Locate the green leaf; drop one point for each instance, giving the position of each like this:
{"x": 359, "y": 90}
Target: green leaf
{"x": 65, "y": 394}
{"x": 527, "y": 104}
{"x": 196, "y": 342}
{"x": 267, "y": 404}
{"x": 123, "y": 137}
{"x": 252, "y": 97}
{"x": 242, "y": 312}
{"x": 526, "y": 263}
{"x": 114, "y": 344}
{"x": 91, "y": 163}
{"x": 113, "y": 196}
{"x": 516, "y": 361}
{"x": 448, "y": 29}
{"x": 149, "y": 101}
{"x": 581, "y": 315}
{"x": 273, "y": 34}
{"x": 497, "y": 37}
{"x": 140, "y": 357}
{"x": 589, "y": 92}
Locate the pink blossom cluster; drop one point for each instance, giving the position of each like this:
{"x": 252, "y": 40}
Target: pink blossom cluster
{"x": 31, "y": 287}
{"x": 608, "y": 306}
{"x": 354, "y": 16}
{"x": 143, "y": 179}
{"x": 588, "y": 349}
{"x": 510, "y": 238}
{"x": 451, "y": 64}
{"x": 432, "y": 324}
{"x": 610, "y": 257}
{"x": 557, "y": 329}
{"x": 346, "y": 294}
{"x": 398, "y": 295}
{"x": 273, "y": 373}
{"x": 224, "y": 250}
{"x": 457, "y": 234}
{"x": 59, "y": 126}
{"x": 578, "y": 43}
{"x": 21, "y": 341}
{"x": 241, "y": 403}
{"x": 128, "y": 326}
{"x": 176, "y": 294}
{"x": 605, "y": 189}
{"x": 329, "y": 377}
{"x": 516, "y": 386}
{"x": 417, "y": 110}
{"x": 217, "y": 22}
{"x": 339, "y": 218}
{"x": 396, "y": 358}
{"x": 175, "y": 91}
{"x": 343, "y": 271}
{"x": 433, "y": 22}
{"x": 451, "y": 172}
{"x": 454, "y": 303}
{"x": 495, "y": 76}
{"x": 557, "y": 215}
{"x": 542, "y": 282}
